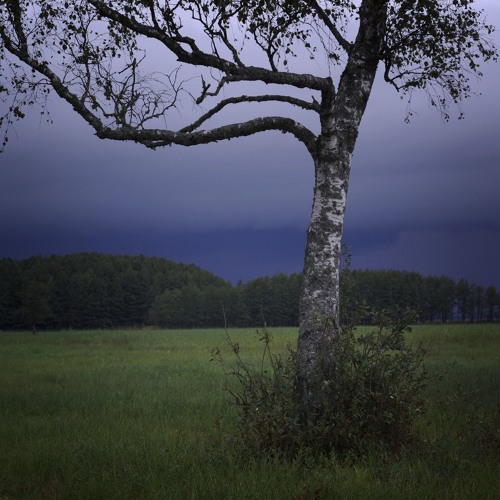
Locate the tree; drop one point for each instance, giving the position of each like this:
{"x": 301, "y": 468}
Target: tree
{"x": 464, "y": 297}
{"x": 439, "y": 295}
{"x": 90, "y": 52}
{"x": 35, "y": 306}
{"x": 492, "y": 302}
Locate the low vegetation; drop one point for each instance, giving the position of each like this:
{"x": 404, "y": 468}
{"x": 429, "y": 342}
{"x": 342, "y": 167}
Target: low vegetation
{"x": 142, "y": 414}
{"x": 370, "y": 399}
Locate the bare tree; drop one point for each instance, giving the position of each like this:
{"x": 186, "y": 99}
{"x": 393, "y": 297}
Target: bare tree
{"x": 92, "y": 54}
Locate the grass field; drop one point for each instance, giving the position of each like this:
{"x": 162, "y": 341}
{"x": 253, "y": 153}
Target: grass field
{"x": 133, "y": 414}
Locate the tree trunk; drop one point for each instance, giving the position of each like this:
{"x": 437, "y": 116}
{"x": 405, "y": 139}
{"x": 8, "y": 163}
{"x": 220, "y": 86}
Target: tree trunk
{"x": 319, "y": 303}
{"x": 340, "y": 119}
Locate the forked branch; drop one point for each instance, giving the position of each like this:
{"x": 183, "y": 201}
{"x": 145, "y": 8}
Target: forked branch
{"x": 197, "y": 57}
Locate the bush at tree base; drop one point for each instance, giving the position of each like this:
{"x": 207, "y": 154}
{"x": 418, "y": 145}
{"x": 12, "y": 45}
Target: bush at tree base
{"x": 372, "y": 398}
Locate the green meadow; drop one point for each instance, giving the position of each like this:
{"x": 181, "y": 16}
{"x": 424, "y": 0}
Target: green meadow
{"x": 142, "y": 414}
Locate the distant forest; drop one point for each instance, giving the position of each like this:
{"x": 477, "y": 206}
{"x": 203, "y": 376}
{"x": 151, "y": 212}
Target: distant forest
{"x": 92, "y": 290}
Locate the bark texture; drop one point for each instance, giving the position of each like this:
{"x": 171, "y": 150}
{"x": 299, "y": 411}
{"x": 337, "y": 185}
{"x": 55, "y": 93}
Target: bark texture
{"x": 341, "y": 115}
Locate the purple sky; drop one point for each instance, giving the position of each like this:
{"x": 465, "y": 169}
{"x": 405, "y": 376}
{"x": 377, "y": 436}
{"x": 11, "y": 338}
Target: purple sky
{"x": 423, "y": 197}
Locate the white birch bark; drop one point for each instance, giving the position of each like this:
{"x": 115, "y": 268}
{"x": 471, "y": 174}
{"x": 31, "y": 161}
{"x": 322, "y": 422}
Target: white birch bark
{"x": 340, "y": 119}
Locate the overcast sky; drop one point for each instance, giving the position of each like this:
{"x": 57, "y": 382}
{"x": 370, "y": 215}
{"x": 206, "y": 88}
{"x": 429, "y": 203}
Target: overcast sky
{"x": 423, "y": 196}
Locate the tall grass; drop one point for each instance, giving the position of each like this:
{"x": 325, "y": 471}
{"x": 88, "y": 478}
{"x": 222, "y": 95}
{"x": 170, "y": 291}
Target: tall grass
{"x": 135, "y": 414}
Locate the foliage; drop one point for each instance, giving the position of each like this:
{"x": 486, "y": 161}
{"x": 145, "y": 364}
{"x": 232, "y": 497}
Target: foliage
{"x": 90, "y": 290}
{"x": 34, "y": 304}
{"x": 103, "y": 291}
{"x": 435, "y": 298}
{"x": 91, "y": 54}
{"x": 433, "y": 45}
{"x": 371, "y": 398}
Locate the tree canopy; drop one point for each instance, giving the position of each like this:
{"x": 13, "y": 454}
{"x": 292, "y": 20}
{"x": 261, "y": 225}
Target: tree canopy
{"x": 91, "y": 53}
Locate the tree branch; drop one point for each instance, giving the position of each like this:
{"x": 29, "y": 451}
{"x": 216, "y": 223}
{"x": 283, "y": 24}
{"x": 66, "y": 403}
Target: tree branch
{"x": 55, "y": 81}
{"x": 314, "y": 106}
{"x": 346, "y": 45}
{"x": 160, "y": 137}
{"x": 199, "y": 58}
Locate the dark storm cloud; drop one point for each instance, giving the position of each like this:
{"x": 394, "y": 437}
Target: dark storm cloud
{"x": 247, "y": 182}
{"x": 423, "y": 196}
{"x": 468, "y": 253}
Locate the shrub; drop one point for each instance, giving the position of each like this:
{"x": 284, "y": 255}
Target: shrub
{"x": 373, "y": 395}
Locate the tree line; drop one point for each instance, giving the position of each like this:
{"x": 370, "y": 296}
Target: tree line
{"x": 434, "y": 298}
{"x": 91, "y": 290}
